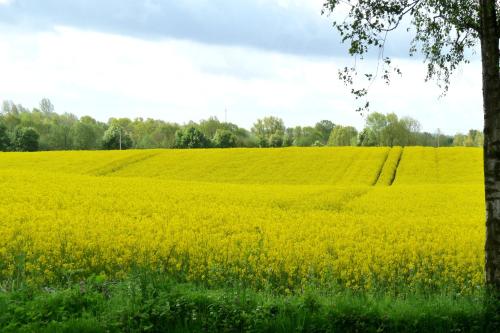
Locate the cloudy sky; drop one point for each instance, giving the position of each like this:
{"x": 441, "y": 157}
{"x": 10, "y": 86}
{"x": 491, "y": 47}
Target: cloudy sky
{"x": 181, "y": 60}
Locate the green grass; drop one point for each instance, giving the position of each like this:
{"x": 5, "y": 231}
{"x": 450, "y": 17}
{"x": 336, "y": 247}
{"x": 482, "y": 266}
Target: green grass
{"x": 148, "y": 302}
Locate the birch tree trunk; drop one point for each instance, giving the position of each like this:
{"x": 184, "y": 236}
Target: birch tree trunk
{"x": 491, "y": 104}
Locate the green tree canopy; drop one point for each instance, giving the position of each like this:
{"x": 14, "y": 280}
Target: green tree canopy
{"x": 46, "y": 106}
{"x": 116, "y": 137}
{"x": 84, "y": 136}
{"x": 276, "y": 140}
{"x": 4, "y": 138}
{"x": 25, "y": 139}
{"x": 191, "y": 137}
{"x": 343, "y": 136}
{"x": 389, "y": 130}
{"x": 266, "y": 127}
{"x": 210, "y": 126}
{"x": 224, "y": 139}
{"x": 66, "y": 131}
{"x": 306, "y": 136}
{"x": 324, "y": 128}
{"x": 473, "y": 139}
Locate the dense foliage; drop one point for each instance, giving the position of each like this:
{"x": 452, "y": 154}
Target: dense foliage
{"x": 343, "y": 136}
{"x": 25, "y": 139}
{"x": 68, "y": 132}
{"x": 154, "y": 303}
{"x": 191, "y": 137}
{"x": 224, "y": 139}
{"x": 116, "y": 138}
{"x": 5, "y": 143}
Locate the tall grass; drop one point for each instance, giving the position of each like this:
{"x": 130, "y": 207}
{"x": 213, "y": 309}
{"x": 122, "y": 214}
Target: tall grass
{"x": 151, "y": 302}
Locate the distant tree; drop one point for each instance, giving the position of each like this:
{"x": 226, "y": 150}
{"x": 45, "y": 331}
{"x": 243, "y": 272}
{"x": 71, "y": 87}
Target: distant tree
{"x": 268, "y": 126}
{"x": 224, "y": 139}
{"x": 53, "y": 129}
{"x": 60, "y": 133}
{"x": 389, "y": 130}
{"x": 4, "y": 138}
{"x": 84, "y": 136}
{"x": 126, "y": 124}
{"x": 276, "y": 140}
{"x": 288, "y": 137}
{"x": 165, "y": 135}
{"x": 6, "y": 107}
{"x": 394, "y": 133}
{"x": 445, "y": 140}
{"x": 306, "y": 136}
{"x": 474, "y": 139}
{"x": 116, "y": 137}
{"x": 264, "y": 128}
{"x": 152, "y": 133}
{"x": 297, "y": 135}
{"x": 324, "y": 128}
{"x": 367, "y": 138}
{"x": 412, "y": 128}
{"x": 10, "y": 115}
{"x": 425, "y": 139}
{"x": 343, "y": 136}
{"x": 46, "y": 106}
{"x": 25, "y": 139}
{"x": 191, "y": 137}
{"x": 142, "y": 132}
{"x": 244, "y": 138}
{"x": 210, "y": 126}
{"x": 459, "y": 140}
{"x": 262, "y": 142}
{"x": 375, "y": 125}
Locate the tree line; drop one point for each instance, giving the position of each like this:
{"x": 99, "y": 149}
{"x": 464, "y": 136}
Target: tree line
{"x": 42, "y": 128}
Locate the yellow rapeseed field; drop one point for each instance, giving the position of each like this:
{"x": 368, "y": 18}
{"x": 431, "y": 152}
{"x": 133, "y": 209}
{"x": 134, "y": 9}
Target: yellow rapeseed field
{"x": 278, "y": 219}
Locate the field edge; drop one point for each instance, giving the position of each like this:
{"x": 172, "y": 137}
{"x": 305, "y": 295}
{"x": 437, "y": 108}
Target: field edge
{"x": 151, "y": 302}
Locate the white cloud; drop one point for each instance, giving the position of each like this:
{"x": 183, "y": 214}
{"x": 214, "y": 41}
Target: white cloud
{"x": 105, "y": 75}
{"x": 6, "y": 2}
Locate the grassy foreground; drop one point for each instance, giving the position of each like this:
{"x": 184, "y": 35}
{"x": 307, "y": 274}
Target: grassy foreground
{"x": 153, "y": 303}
